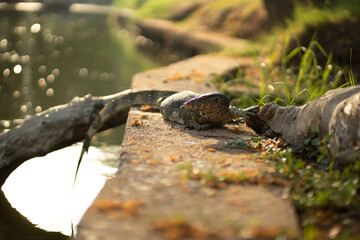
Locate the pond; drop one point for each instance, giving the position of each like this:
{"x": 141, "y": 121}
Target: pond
{"x": 47, "y": 59}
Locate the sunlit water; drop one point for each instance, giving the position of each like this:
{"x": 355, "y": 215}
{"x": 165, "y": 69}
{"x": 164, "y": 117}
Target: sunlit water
{"x": 47, "y": 59}
{"x": 42, "y": 188}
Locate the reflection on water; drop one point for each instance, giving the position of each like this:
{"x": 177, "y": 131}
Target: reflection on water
{"x": 47, "y": 59}
{"x": 47, "y": 185}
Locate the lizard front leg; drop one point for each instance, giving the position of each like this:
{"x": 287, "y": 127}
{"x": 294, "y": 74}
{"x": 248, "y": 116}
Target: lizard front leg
{"x": 188, "y": 119}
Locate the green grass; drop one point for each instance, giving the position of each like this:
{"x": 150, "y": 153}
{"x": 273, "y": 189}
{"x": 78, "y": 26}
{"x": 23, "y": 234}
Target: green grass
{"x": 335, "y": 12}
{"x": 315, "y": 180}
{"x": 318, "y": 186}
{"x": 308, "y": 16}
{"x": 148, "y": 8}
{"x": 156, "y": 8}
{"x": 299, "y": 78}
{"x": 132, "y": 4}
{"x": 221, "y": 4}
{"x": 162, "y": 8}
{"x": 325, "y": 196}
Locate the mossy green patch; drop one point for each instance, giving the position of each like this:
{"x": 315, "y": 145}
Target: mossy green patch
{"x": 148, "y": 8}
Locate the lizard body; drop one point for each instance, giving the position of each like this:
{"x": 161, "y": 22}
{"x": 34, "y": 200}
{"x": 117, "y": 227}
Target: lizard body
{"x": 179, "y": 108}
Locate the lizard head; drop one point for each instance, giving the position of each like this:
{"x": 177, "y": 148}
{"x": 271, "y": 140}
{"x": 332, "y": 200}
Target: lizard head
{"x": 204, "y": 101}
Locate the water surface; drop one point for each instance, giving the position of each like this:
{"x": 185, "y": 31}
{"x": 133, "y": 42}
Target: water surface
{"x": 46, "y": 59}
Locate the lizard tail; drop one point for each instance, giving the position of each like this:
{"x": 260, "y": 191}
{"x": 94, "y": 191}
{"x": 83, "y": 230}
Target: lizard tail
{"x": 126, "y": 101}
{"x": 84, "y": 149}
{"x": 237, "y": 112}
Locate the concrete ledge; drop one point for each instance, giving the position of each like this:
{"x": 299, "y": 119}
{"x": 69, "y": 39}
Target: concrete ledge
{"x": 156, "y": 193}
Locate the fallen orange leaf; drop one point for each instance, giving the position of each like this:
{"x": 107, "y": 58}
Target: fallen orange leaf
{"x": 175, "y": 229}
{"x": 129, "y": 208}
{"x": 197, "y": 79}
{"x": 145, "y": 157}
{"x": 153, "y": 162}
{"x": 137, "y": 122}
{"x": 147, "y": 108}
{"x": 175, "y": 77}
{"x": 197, "y": 73}
{"x": 174, "y": 158}
{"x": 146, "y": 149}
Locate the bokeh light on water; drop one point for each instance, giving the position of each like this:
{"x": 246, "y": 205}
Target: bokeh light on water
{"x": 47, "y": 59}
{"x": 70, "y": 55}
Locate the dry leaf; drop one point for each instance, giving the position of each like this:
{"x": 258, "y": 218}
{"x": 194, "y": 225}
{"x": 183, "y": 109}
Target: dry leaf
{"x": 153, "y": 162}
{"x": 133, "y": 162}
{"x": 210, "y": 149}
{"x": 174, "y": 158}
{"x": 175, "y": 77}
{"x": 197, "y": 73}
{"x": 146, "y": 149}
{"x": 144, "y": 157}
{"x": 106, "y": 205}
{"x": 137, "y": 122}
{"x": 147, "y": 108}
{"x": 197, "y": 79}
{"x": 175, "y": 229}
{"x": 265, "y": 232}
{"x": 117, "y": 209}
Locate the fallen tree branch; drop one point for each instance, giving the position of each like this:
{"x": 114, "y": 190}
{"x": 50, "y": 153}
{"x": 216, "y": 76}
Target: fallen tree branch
{"x": 53, "y": 129}
{"x": 336, "y": 113}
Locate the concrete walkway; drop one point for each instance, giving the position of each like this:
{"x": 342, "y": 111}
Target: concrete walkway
{"x": 166, "y": 186}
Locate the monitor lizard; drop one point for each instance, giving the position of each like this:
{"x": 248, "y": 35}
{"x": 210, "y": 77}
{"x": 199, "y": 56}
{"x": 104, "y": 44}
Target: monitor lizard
{"x": 193, "y": 110}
